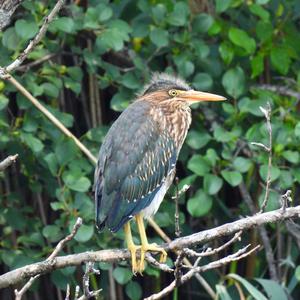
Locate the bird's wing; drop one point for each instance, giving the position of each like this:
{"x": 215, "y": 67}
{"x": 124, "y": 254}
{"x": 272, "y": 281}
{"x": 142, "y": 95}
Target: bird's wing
{"x": 135, "y": 159}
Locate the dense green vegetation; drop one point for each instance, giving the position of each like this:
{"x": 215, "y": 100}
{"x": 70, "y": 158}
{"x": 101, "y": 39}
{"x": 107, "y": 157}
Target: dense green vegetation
{"x": 98, "y": 55}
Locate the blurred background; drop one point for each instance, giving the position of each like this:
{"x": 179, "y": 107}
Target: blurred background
{"x": 94, "y": 59}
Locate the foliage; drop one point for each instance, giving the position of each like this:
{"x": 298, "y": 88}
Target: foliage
{"x": 100, "y": 57}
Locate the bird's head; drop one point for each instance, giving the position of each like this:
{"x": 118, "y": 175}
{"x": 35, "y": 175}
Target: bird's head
{"x": 164, "y": 87}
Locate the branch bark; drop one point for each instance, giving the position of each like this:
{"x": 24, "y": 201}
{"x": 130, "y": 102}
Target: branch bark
{"x": 8, "y": 161}
{"x": 18, "y": 275}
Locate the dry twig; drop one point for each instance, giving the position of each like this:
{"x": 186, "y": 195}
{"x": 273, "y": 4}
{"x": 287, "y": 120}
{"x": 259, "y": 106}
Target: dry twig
{"x": 32, "y": 44}
{"x": 8, "y": 161}
{"x": 50, "y": 259}
{"x": 200, "y": 269}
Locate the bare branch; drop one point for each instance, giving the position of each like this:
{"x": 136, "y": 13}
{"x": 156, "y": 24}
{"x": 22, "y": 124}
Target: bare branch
{"x": 58, "y": 248}
{"x": 87, "y": 294}
{"x": 267, "y": 113}
{"x": 20, "y": 294}
{"x": 16, "y": 63}
{"x": 16, "y": 276}
{"x": 8, "y": 161}
{"x": 7, "y": 9}
{"x": 281, "y": 89}
{"x": 213, "y": 265}
{"x": 62, "y": 243}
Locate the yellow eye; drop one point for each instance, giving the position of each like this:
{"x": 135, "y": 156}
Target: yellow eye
{"x": 173, "y": 93}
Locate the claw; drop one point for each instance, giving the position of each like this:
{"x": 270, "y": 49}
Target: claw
{"x": 146, "y": 246}
{"x": 151, "y": 248}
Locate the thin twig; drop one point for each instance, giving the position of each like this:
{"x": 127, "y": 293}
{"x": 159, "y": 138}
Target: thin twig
{"x": 263, "y": 233}
{"x": 51, "y": 117}
{"x": 55, "y": 252}
{"x": 32, "y": 44}
{"x": 20, "y": 294}
{"x": 281, "y": 89}
{"x": 213, "y": 265}
{"x": 20, "y": 274}
{"x": 8, "y": 161}
{"x": 267, "y": 113}
{"x": 209, "y": 252}
{"x": 177, "y": 225}
{"x": 87, "y": 294}
{"x": 69, "y": 237}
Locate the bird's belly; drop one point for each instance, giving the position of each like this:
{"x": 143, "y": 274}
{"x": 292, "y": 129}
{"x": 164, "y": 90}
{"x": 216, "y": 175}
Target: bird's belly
{"x": 151, "y": 209}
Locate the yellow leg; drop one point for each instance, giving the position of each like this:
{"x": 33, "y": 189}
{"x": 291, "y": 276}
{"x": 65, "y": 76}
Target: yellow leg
{"x": 131, "y": 247}
{"x": 146, "y": 246}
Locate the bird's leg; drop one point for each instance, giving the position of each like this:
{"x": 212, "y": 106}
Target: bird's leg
{"x": 146, "y": 246}
{"x": 131, "y": 247}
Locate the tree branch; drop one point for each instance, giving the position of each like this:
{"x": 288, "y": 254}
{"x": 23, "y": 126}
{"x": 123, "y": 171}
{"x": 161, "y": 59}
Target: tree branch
{"x": 8, "y": 161}
{"x": 17, "y": 62}
{"x": 47, "y": 266}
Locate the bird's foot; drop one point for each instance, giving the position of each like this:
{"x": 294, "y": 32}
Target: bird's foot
{"x": 134, "y": 265}
{"x": 151, "y": 248}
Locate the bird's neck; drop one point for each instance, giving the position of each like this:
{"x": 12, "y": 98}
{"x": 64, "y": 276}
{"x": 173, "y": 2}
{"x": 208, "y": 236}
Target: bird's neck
{"x": 176, "y": 119}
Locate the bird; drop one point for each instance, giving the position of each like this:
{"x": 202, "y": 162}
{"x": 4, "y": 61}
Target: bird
{"x": 137, "y": 159}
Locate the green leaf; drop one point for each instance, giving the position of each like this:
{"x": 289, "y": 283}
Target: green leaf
{"x": 263, "y": 171}
{"x": 32, "y": 142}
{"x": 202, "y": 22}
{"x": 273, "y": 289}
{"x": 297, "y": 130}
{"x": 232, "y": 177}
{"x": 179, "y": 15}
{"x": 203, "y": 81}
{"x": 26, "y": 29}
{"x": 212, "y": 184}
{"x": 280, "y": 59}
{"x": 241, "y": 38}
{"x": 257, "y": 65}
{"x": 64, "y": 24}
{"x": 222, "y": 292}
{"x": 10, "y": 40}
{"x": 104, "y": 12}
{"x": 84, "y": 233}
{"x": 226, "y": 52}
{"x": 297, "y": 273}
{"x": 197, "y": 140}
{"x": 130, "y": 81}
{"x": 76, "y": 183}
{"x": 50, "y": 89}
{"x": 242, "y": 164}
{"x": 52, "y": 163}
{"x": 198, "y": 165}
{"x": 264, "y": 30}
{"x": 3, "y": 101}
{"x": 134, "y": 290}
{"x": 65, "y": 151}
{"x": 248, "y": 286}
{"x": 200, "y": 204}
{"x": 273, "y": 201}
{"x": 234, "y": 82}
{"x": 52, "y": 233}
{"x": 291, "y": 156}
{"x": 222, "y": 135}
{"x": 159, "y": 37}
{"x": 222, "y": 5}
{"x": 122, "y": 275}
{"x": 260, "y": 12}
{"x": 114, "y": 36}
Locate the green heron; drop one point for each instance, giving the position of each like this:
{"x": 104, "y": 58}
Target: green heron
{"x": 136, "y": 164}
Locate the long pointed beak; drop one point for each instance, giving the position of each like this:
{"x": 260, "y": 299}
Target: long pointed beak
{"x": 195, "y": 96}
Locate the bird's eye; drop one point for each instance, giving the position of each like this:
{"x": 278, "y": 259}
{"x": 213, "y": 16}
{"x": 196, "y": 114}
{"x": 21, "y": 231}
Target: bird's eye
{"x": 173, "y": 93}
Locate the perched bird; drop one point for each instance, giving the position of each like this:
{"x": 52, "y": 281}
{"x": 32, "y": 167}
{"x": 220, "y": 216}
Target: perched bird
{"x": 136, "y": 164}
